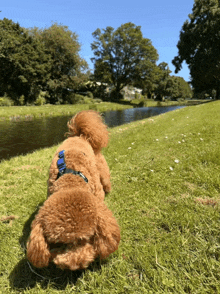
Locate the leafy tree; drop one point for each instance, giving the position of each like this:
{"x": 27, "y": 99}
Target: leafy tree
{"x": 163, "y": 81}
{"x": 25, "y": 64}
{"x": 171, "y": 86}
{"x": 199, "y": 46}
{"x": 184, "y": 89}
{"x": 68, "y": 68}
{"x": 122, "y": 56}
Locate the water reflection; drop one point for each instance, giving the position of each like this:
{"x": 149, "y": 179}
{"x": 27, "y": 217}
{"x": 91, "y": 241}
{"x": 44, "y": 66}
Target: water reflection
{"x": 21, "y": 137}
{"x": 116, "y": 118}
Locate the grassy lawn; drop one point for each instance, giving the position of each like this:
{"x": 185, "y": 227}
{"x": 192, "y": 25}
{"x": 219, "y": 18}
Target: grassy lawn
{"x": 22, "y": 112}
{"x": 166, "y": 196}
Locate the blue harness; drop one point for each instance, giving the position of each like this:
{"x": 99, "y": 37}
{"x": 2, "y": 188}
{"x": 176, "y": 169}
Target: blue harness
{"x": 64, "y": 170}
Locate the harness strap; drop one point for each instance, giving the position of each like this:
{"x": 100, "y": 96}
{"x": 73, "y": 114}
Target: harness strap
{"x": 64, "y": 170}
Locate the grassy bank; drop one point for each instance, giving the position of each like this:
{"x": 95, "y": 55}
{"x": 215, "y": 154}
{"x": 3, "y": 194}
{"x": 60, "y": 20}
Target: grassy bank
{"x": 180, "y": 102}
{"x": 17, "y": 113}
{"x": 166, "y": 197}
{"x": 27, "y": 112}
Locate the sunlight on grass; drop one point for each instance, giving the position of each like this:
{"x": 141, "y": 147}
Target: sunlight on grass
{"x": 166, "y": 196}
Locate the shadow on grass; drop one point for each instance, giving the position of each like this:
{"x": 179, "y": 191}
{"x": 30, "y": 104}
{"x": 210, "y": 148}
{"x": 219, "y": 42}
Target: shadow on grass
{"x": 25, "y": 276}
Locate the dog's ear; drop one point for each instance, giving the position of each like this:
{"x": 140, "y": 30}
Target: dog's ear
{"x": 108, "y": 232}
{"x": 37, "y": 248}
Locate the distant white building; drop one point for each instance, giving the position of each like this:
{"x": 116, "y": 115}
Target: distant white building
{"x": 130, "y": 92}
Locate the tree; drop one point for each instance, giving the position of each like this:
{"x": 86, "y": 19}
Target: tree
{"x": 68, "y": 69}
{"x": 172, "y": 86}
{"x": 25, "y": 64}
{"x": 199, "y": 46}
{"x": 163, "y": 81}
{"x": 122, "y": 56}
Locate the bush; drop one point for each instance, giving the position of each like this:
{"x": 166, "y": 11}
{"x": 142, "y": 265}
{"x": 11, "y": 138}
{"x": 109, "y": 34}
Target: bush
{"x": 88, "y": 100}
{"x": 77, "y": 99}
{"x": 97, "y": 100}
{"x": 89, "y": 94}
{"x": 41, "y": 99}
{"x": 137, "y": 95}
{"x": 21, "y": 100}
{"x": 6, "y": 101}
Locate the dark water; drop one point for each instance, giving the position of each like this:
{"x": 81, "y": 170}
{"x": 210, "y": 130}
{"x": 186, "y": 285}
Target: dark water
{"x": 21, "y": 137}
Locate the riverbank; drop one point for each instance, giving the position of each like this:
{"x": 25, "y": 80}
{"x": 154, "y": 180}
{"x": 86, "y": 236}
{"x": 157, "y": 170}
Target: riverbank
{"x": 16, "y": 113}
{"x": 166, "y": 196}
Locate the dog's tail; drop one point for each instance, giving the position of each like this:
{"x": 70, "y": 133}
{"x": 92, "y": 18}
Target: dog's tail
{"x": 89, "y": 124}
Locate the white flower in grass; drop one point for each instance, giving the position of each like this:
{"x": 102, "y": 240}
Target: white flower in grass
{"x": 179, "y": 142}
{"x": 183, "y": 140}
{"x": 171, "y": 168}
{"x": 152, "y": 170}
{"x": 166, "y": 137}
{"x": 129, "y": 148}
{"x": 176, "y": 161}
{"x": 201, "y": 139}
{"x": 132, "y": 143}
{"x": 157, "y": 140}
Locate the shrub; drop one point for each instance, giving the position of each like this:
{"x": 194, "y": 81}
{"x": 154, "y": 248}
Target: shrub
{"x": 77, "y": 99}
{"x": 97, "y": 100}
{"x": 6, "y": 101}
{"x": 88, "y": 100}
{"x": 89, "y": 94}
{"x": 137, "y": 95}
{"x": 41, "y": 99}
{"x": 21, "y": 100}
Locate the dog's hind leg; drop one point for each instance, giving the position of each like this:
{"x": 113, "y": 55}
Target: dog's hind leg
{"x": 104, "y": 172}
{"x": 108, "y": 232}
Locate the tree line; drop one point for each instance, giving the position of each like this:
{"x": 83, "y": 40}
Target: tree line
{"x": 46, "y": 63}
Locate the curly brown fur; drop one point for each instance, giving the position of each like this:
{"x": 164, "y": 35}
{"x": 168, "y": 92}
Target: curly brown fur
{"x": 74, "y": 226}
{"x": 88, "y": 125}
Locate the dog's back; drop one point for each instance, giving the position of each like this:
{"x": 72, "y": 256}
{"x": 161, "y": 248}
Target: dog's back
{"x": 86, "y": 137}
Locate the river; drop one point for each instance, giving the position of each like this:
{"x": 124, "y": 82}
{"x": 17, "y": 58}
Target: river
{"x": 22, "y": 137}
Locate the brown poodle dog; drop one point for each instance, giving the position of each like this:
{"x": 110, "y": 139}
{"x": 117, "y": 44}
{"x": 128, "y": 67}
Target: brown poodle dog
{"x": 74, "y": 226}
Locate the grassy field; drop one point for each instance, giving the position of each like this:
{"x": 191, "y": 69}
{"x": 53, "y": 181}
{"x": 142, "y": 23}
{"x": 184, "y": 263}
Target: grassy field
{"x": 166, "y": 195}
{"x": 27, "y": 112}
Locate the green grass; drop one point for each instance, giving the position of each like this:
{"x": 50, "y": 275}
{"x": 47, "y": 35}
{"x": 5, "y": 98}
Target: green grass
{"x": 27, "y": 112}
{"x": 166, "y": 196}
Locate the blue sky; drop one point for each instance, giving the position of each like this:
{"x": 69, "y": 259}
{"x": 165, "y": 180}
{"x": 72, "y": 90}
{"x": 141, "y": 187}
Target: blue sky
{"x": 160, "y": 20}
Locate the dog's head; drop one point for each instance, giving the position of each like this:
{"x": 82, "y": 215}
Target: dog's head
{"x": 67, "y": 219}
